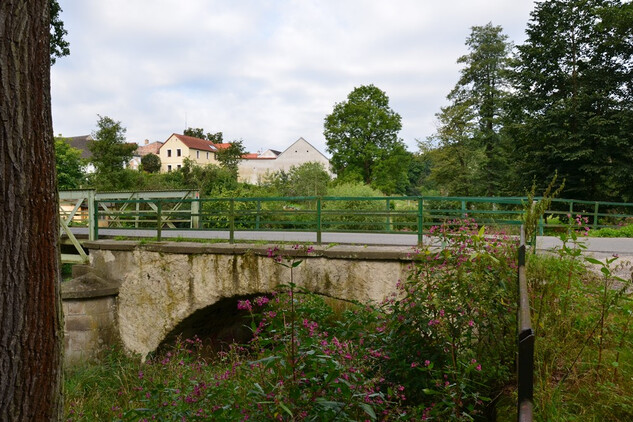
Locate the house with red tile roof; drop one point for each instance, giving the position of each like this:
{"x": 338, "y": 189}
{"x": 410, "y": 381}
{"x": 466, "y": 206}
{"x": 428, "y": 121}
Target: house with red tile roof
{"x": 252, "y": 168}
{"x": 143, "y": 150}
{"x": 178, "y": 147}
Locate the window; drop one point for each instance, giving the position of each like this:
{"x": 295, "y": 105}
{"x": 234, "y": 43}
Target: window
{"x": 178, "y": 152}
{"x": 169, "y": 153}
{"x": 197, "y": 154}
{"x": 207, "y": 155}
{"x": 168, "y": 166}
{"x": 179, "y": 166}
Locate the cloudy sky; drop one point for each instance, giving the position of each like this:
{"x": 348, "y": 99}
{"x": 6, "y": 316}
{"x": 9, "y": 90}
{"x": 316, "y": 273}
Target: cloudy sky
{"x": 265, "y": 71}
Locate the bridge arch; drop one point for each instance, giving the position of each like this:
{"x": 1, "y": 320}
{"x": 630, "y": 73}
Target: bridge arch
{"x": 164, "y": 284}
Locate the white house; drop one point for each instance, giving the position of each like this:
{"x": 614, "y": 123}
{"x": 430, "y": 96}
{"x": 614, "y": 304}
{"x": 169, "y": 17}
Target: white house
{"x": 254, "y": 167}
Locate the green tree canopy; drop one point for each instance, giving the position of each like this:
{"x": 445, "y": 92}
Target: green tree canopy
{"x": 151, "y": 163}
{"x": 472, "y": 157}
{"x": 110, "y": 152}
{"x": 198, "y": 132}
{"x": 574, "y": 107}
{"x": 59, "y": 46}
{"x": 230, "y": 157}
{"x": 69, "y": 165}
{"x": 360, "y": 133}
{"x": 209, "y": 179}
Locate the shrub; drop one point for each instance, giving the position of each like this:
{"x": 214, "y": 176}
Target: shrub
{"x": 449, "y": 331}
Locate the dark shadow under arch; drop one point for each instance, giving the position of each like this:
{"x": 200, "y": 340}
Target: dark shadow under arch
{"x": 217, "y": 325}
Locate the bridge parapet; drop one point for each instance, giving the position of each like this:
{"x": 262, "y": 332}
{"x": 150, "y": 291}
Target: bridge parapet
{"x": 163, "y": 283}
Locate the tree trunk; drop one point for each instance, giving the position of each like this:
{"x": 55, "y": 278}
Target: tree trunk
{"x": 30, "y": 310}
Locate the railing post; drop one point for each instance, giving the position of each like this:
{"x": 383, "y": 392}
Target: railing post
{"x": 463, "y": 208}
{"x": 195, "y": 213}
{"x": 93, "y": 220}
{"x": 93, "y": 209}
{"x": 318, "y": 228}
{"x": 595, "y": 216}
{"x": 232, "y": 221}
{"x": 388, "y": 218}
{"x": 159, "y": 222}
{"x": 420, "y": 221}
{"x": 525, "y": 338}
{"x": 259, "y": 208}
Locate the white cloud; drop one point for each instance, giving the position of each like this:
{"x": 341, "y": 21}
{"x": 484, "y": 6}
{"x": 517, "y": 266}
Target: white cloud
{"x": 264, "y": 71}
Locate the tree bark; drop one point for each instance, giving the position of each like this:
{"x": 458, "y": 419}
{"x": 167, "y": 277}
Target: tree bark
{"x": 30, "y": 307}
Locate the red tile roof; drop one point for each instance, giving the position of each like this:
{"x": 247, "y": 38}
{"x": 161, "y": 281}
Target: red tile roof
{"x": 196, "y": 143}
{"x": 222, "y": 146}
{"x": 149, "y": 149}
{"x": 255, "y": 156}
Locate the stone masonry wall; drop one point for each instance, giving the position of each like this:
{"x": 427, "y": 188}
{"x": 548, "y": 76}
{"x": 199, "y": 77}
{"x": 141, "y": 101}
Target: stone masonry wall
{"x": 89, "y": 327}
{"x": 163, "y": 283}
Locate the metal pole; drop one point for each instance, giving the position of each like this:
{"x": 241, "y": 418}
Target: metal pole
{"x": 159, "y": 223}
{"x": 318, "y": 239}
{"x": 259, "y": 209}
{"x": 525, "y": 336}
{"x": 420, "y": 221}
{"x": 93, "y": 220}
{"x": 232, "y": 221}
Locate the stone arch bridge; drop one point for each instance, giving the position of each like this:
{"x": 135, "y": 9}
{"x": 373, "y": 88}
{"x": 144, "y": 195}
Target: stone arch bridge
{"x": 139, "y": 293}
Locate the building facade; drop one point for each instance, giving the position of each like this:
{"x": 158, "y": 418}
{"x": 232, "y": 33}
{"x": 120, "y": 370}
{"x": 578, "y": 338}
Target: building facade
{"x": 253, "y": 168}
{"x": 178, "y": 147}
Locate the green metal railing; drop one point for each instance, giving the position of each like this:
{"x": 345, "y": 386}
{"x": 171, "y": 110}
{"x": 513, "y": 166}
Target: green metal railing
{"x": 394, "y": 215}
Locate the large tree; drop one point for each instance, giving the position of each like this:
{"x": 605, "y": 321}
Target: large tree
{"x": 469, "y": 131}
{"x": 362, "y": 132}
{"x": 30, "y": 311}
{"x": 110, "y": 152}
{"x": 574, "y": 80}
{"x": 69, "y": 165}
{"x": 229, "y": 157}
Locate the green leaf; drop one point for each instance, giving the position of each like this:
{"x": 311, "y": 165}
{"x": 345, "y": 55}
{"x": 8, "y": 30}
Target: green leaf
{"x": 285, "y": 408}
{"x": 368, "y": 409}
{"x": 593, "y": 260}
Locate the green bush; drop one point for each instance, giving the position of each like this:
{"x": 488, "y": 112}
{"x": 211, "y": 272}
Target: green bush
{"x": 351, "y": 215}
{"x": 624, "y": 231}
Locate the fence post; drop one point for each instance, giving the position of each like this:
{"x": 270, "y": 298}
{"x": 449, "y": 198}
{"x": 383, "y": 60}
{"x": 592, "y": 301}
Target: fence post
{"x": 93, "y": 216}
{"x": 420, "y": 221}
{"x": 388, "y": 219}
{"x": 463, "y": 208}
{"x": 259, "y": 208}
{"x": 525, "y": 338}
{"x": 159, "y": 222}
{"x": 595, "y": 216}
{"x": 93, "y": 208}
{"x": 195, "y": 212}
{"x": 232, "y": 221}
{"x": 318, "y": 231}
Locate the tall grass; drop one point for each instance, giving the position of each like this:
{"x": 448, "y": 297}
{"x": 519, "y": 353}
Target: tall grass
{"x": 441, "y": 348}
